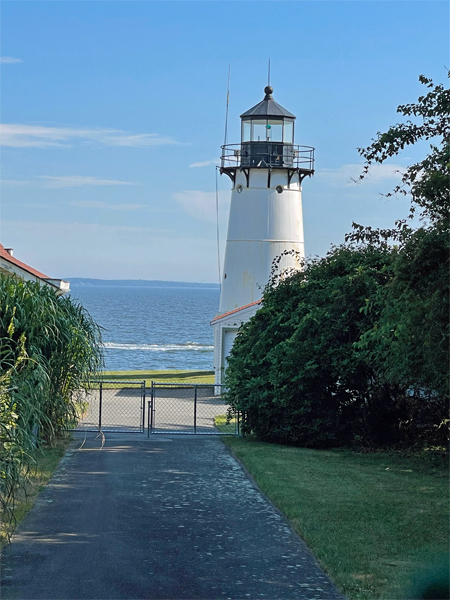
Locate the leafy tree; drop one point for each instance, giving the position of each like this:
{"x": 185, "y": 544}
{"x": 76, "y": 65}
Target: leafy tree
{"x": 425, "y": 182}
{"x": 410, "y": 340}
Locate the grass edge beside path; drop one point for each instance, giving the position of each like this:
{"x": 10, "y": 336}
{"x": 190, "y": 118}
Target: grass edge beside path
{"x": 374, "y": 521}
{"x": 44, "y": 462}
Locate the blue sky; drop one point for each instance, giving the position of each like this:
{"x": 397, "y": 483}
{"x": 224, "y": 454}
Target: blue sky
{"x": 113, "y": 116}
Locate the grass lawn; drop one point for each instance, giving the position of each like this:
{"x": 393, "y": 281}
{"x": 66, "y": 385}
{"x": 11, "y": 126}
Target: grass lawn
{"x": 225, "y": 426}
{"x": 46, "y": 460}
{"x": 161, "y": 376}
{"x": 374, "y": 521}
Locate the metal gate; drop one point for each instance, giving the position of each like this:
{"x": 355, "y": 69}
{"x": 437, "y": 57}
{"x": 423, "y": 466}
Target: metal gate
{"x": 113, "y": 406}
{"x": 188, "y": 408}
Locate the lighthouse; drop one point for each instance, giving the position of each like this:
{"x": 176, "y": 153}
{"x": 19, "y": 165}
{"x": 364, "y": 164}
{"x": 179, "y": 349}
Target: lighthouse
{"x": 266, "y": 171}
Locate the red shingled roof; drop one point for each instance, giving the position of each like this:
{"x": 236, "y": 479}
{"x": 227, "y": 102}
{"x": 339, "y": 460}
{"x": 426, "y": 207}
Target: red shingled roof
{"x": 235, "y": 311}
{"x": 21, "y": 264}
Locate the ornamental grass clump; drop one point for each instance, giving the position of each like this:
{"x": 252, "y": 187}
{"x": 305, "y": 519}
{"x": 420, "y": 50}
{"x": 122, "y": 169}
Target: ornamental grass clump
{"x": 49, "y": 349}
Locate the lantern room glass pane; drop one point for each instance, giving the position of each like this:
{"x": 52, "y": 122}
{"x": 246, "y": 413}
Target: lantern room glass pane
{"x": 288, "y": 132}
{"x": 259, "y": 131}
{"x": 246, "y": 131}
{"x": 275, "y": 130}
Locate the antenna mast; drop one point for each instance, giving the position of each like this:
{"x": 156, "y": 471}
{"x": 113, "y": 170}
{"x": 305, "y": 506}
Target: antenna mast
{"x": 217, "y": 185}
{"x": 268, "y": 74}
{"x": 228, "y": 100}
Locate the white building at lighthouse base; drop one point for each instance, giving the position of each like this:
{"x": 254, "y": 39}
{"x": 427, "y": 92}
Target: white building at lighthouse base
{"x": 226, "y": 327}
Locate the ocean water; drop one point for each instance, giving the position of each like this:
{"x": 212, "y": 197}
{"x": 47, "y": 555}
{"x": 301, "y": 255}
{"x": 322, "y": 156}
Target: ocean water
{"x": 153, "y": 327}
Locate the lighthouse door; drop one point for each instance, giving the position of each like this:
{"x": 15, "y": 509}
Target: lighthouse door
{"x": 229, "y": 335}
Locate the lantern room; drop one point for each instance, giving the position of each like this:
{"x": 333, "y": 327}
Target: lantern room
{"x": 267, "y": 141}
{"x": 267, "y": 134}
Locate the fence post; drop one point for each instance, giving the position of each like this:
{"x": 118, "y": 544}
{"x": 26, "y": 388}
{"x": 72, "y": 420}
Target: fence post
{"x": 143, "y": 406}
{"x": 195, "y": 408}
{"x": 152, "y": 400}
{"x": 100, "y": 406}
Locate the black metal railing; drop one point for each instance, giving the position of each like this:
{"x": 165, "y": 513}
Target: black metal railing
{"x": 268, "y": 155}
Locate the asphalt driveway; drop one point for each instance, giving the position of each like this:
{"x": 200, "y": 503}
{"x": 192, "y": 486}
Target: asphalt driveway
{"x": 170, "y": 517}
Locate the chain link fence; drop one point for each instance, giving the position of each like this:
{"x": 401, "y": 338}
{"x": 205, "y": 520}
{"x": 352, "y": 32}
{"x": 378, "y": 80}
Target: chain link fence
{"x": 175, "y": 408}
{"x": 189, "y": 408}
{"x": 114, "y": 406}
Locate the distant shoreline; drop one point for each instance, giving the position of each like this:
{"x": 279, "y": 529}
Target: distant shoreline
{"x": 155, "y": 283}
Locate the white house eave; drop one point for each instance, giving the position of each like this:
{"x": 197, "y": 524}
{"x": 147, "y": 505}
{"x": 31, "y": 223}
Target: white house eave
{"x": 11, "y": 268}
{"x": 62, "y": 285}
{"x": 237, "y": 316}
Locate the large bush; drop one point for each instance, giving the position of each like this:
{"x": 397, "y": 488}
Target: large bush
{"x": 409, "y": 341}
{"x": 295, "y": 369}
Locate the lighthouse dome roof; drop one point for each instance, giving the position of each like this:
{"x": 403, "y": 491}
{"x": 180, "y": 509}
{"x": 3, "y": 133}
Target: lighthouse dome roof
{"x": 267, "y": 107}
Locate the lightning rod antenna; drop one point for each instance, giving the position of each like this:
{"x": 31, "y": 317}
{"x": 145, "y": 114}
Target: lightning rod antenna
{"x": 217, "y": 185}
{"x": 268, "y": 74}
{"x": 228, "y": 100}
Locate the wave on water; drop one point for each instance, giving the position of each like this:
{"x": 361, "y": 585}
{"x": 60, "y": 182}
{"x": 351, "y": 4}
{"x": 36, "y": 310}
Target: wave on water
{"x": 188, "y": 346}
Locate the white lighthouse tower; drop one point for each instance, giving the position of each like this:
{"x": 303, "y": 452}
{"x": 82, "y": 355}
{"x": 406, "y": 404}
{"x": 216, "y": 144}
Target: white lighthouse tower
{"x": 266, "y": 170}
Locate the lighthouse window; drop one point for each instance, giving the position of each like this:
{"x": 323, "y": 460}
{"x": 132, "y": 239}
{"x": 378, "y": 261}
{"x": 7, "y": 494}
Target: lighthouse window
{"x": 259, "y": 131}
{"x": 288, "y": 132}
{"x": 246, "y": 131}
{"x": 275, "y": 131}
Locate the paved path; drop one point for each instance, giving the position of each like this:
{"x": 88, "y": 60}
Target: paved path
{"x": 171, "y": 517}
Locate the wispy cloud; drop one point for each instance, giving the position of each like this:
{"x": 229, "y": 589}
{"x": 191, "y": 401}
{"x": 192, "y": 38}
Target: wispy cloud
{"x": 9, "y": 60}
{"x": 121, "y": 138}
{"x": 64, "y": 181}
{"x": 38, "y": 136}
{"x": 348, "y": 175}
{"x": 206, "y": 163}
{"x": 14, "y": 182}
{"x": 105, "y": 205}
{"x": 67, "y": 181}
{"x": 202, "y": 205}
{"x": 23, "y": 229}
